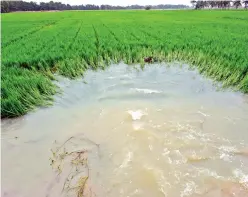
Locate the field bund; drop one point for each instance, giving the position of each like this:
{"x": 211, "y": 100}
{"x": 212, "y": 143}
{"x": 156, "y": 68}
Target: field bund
{"x": 35, "y": 46}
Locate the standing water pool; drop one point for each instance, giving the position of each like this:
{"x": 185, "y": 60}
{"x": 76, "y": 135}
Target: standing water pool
{"x": 162, "y": 131}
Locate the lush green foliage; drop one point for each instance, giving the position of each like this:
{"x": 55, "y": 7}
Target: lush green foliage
{"x": 35, "y": 45}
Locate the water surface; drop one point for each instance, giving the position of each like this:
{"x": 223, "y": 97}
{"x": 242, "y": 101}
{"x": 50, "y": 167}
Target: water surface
{"x": 163, "y": 131}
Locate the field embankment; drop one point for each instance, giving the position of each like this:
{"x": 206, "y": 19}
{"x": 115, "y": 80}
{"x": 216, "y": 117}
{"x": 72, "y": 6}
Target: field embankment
{"x": 36, "y": 45}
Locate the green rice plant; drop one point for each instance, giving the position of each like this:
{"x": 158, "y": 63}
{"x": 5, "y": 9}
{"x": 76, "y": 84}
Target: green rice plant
{"x": 23, "y": 90}
{"x": 36, "y": 45}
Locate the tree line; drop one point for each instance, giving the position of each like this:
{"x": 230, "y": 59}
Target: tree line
{"x": 219, "y": 4}
{"x": 13, "y": 6}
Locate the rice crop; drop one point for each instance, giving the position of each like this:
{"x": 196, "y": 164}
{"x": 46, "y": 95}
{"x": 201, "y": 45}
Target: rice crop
{"x": 36, "y": 45}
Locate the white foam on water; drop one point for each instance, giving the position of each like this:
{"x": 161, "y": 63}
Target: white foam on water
{"x": 229, "y": 149}
{"x": 225, "y": 157}
{"x": 136, "y": 115}
{"x": 189, "y": 189}
{"x": 207, "y": 172}
{"x": 147, "y": 91}
{"x": 243, "y": 178}
{"x": 225, "y": 152}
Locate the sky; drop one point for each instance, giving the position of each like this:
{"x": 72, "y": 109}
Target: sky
{"x": 119, "y": 2}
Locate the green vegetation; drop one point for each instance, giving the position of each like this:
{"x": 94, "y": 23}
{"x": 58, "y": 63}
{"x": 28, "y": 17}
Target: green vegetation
{"x": 36, "y": 45}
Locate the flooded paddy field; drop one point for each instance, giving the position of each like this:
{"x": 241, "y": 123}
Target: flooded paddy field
{"x": 161, "y": 131}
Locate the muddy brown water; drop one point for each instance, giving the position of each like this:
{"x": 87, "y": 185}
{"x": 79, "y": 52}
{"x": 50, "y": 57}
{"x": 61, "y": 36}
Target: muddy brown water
{"x": 163, "y": 131}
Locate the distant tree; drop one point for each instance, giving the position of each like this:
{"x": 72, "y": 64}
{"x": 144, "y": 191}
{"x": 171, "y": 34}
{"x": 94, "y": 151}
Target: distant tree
{"x": 12, "y": 6}
{"x": 148, "y": 7}
{"x": 237, "y": 4}
{"x": 44, "y": 6}
{"x": 227, "y": 4}
{"x": 200, "y": 4}
{"x": 34, "y": 6}
{"x": 213, "y": 4}
{"x": 206, "y": 4}
{"x": 222, "y": 4}
{"x": 245, "y": 3}
{"x": 5, "y": 7}
{"x": 193, "y": 3}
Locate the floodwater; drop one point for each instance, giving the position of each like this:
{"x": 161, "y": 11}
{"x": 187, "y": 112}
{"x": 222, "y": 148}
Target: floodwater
{"x": 163, "y": 131}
